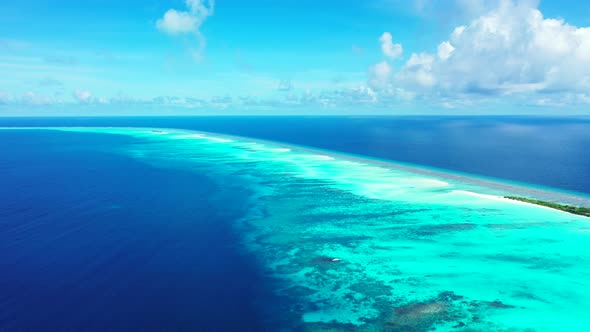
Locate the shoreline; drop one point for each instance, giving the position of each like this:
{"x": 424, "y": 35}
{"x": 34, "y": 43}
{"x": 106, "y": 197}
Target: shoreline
{"x": 577, "y": 210}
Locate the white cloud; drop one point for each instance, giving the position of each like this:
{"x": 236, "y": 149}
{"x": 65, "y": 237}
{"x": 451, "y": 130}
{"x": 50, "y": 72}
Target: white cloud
{"x": 379, "y": 75}
{"x": 447, "y": 105}
{"x": 417, "y": 72}
{"x": 83, "y": 96}
{"x": 511, "y": 49}
{"x": 176, "y": 22}
{"x": 445, "y": 49}
{"x": 458, "y": 31}
{"x": 390, "y": 49}
{"x": 34, "y": 98}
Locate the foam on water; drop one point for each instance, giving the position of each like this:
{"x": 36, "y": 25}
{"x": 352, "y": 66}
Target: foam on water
{"x": 364, "y": 246}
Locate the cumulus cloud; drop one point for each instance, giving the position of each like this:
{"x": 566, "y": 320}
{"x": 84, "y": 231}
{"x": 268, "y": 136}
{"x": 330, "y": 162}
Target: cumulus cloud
{"x": 445, "y": 49}
{"x": 83, "y": 96}
{"x": 390, "y": 49}
{"x": 176, "y": 22}
{"x": 417, "y": 71}
{"x": 511, "y": 49}
{"x": 379, "y": 75}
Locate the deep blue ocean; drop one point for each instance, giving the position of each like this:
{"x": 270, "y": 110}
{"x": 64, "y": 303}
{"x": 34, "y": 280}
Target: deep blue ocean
{"x": 93, "y": 240}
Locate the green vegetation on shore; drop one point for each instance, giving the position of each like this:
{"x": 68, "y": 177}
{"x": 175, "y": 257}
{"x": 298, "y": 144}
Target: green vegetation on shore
{"x": 582, "y": 211}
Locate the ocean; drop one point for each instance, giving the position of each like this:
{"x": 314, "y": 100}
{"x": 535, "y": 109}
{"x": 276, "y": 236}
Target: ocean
{"x": 548, "y": 151}
{"x": 291, "y": 224}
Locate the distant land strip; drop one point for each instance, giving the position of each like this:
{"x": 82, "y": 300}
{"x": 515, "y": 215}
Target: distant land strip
{"x": 582, "y": 211}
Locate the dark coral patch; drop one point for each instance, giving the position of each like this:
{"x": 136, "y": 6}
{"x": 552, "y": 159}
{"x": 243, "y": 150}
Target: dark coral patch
{"x": 429, "y": 230}
{"x": 498, "y": 304}
{"x": 417, "y": 316}
{"x": 326, "y": 260}
{"x": 423, "y": 316}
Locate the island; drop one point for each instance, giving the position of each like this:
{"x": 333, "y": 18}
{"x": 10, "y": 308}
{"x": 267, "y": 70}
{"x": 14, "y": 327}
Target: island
{"x": 582, "y": 211}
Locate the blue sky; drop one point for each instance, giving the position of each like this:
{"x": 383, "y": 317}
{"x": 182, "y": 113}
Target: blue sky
{"x": 294, "y": 56}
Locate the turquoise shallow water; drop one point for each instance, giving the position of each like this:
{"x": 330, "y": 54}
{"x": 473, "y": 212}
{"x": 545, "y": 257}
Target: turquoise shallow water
{"x": 366, "y": 246}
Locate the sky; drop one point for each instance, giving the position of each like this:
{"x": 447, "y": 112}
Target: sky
{"x": 200, "y": 57}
